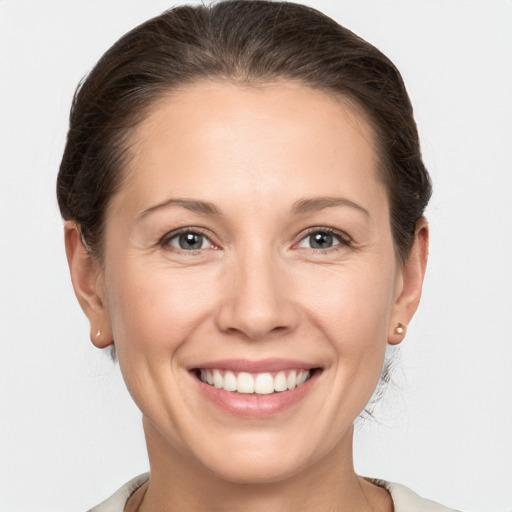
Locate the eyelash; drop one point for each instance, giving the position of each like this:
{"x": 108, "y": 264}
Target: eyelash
{"x": 343, "y": 239}
{"x": 164, "y": 241}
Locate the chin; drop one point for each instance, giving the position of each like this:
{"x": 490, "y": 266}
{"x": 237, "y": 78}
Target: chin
{"x": 257, "y": 459}
{"x": 256, "y": 470}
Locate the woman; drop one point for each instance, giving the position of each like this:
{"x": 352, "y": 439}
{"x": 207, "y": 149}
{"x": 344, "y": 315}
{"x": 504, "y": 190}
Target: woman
{"x": 243, "y": 193}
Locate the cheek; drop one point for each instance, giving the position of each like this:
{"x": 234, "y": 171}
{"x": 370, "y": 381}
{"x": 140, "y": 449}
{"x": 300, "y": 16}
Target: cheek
{"x": 352, "y": 303}
{"x": 153, "y": 309}
{"x": 352, "y": 307}
{"x": 154, "y": 312}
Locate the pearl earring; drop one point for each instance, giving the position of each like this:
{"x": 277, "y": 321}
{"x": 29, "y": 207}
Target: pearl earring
{"x": 400, "y": 328}
{"x": 98, "y": 334}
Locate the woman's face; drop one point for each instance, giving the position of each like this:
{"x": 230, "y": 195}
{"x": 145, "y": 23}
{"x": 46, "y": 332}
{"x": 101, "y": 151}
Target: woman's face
{"x": 250, "y": 245}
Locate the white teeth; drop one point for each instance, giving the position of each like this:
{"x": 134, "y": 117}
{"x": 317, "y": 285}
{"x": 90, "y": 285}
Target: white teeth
{"x": 260, "y": 383}
{"x": 301, "y": 378}
{"x": 218, "y": 381}
{"x": 229, "y": 381}
{"x": 292, "y": 380}
{"x": 245, "y": 383}
{"x": 264, "y": 384}
{"x": 280, "y": 383}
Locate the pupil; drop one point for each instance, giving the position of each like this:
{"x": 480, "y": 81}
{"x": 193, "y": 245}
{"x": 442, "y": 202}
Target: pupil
{"x": 321, "y": 240}
{"x": 191, "y": 241}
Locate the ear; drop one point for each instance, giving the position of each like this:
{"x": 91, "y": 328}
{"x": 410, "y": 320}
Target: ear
{"x": 410, "y": 284}
{"x": 87, "y": 279}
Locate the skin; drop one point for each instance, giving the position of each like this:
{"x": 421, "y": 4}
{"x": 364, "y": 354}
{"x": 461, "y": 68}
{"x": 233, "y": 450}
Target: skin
{"x": 256, "y": 289}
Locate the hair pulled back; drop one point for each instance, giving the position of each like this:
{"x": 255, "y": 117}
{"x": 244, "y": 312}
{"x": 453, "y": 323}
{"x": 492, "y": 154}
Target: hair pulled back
{"x": 246, "y": 41}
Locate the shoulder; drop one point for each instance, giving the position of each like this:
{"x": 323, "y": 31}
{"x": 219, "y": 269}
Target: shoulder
{"x": 117, "y": 501}
{"x": 406, "y": 500}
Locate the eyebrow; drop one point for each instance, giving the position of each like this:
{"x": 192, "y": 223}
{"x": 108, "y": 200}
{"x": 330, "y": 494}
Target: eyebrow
{"x": 319, "y": 203}
{"x": 190, "y": 204}
{"x": 299, "y": 207}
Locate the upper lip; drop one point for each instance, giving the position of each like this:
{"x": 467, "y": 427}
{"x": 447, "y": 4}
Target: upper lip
{"x": 259, "y": 366}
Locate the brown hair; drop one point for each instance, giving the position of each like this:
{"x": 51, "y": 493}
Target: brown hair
{"x": 248, "y": 41}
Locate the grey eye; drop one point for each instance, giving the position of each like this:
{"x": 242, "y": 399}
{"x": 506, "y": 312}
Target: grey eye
{"x": 190, "y": 241}
{"x": 320, "y": 240}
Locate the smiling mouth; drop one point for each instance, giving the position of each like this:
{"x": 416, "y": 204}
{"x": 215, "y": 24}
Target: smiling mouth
{"x": 264, "y": 383}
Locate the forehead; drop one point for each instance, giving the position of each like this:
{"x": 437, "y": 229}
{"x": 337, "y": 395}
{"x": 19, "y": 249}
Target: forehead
{"x": 266, "y": 139}
{"x": 217, "y": 102}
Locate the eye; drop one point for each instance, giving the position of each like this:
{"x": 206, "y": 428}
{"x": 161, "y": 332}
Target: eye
{"x": 188, "y": 241}
{"x": 322, "y": 239}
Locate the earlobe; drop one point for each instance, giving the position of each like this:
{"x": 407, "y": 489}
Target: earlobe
{"x": 87, "y": 279}
{"x": 412, "y": 275}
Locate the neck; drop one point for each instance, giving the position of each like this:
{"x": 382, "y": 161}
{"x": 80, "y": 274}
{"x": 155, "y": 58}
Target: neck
{"x": 179, "y": 482}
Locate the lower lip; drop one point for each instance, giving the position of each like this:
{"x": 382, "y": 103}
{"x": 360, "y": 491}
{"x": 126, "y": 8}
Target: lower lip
{"x": 254, "y": 405}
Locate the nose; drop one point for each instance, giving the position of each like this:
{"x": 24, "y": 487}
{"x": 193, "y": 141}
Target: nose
{"x": 257, "y": 299}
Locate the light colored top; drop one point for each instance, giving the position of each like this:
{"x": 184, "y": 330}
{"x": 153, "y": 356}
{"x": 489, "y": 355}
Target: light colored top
{"x": 404, "y": 499}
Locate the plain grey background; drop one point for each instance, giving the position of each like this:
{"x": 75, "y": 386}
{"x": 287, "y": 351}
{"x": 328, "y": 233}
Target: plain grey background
{"x": 69, "y": 434}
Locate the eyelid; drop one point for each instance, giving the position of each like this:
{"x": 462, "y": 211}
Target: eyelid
{"x": 164, "y": 241}
{"x": 343, "y": 238}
